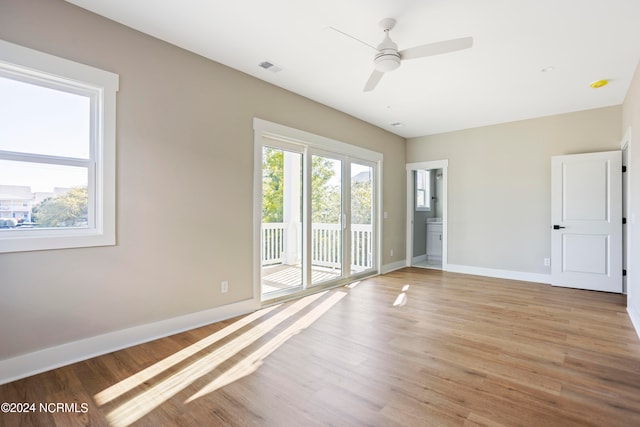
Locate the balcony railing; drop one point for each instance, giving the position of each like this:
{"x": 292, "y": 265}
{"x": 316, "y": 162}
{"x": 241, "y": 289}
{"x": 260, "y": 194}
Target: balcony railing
{"x": 326, "y": 244}
{"x": 272, "y": 242}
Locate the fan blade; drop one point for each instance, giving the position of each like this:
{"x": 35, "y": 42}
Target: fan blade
{"x": 436, "y": 48}
{"x": 373, "y": 80}
{"x": 351, "y": 37}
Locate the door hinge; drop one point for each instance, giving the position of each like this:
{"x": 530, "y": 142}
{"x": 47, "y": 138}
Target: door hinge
{"x": 624, "y": 272}
{"x": 624, "y": 168}
{"x": 624, "y": 221}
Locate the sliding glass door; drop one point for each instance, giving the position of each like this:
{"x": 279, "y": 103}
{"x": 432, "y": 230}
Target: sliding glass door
{"x": 317, "y": 226}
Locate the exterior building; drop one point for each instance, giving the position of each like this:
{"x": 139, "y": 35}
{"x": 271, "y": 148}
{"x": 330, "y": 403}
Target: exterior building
{"x": 16, "y": 202}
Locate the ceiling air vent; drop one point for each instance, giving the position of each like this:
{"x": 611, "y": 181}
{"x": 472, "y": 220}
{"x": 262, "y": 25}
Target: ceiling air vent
{"x": 269, "y": 66}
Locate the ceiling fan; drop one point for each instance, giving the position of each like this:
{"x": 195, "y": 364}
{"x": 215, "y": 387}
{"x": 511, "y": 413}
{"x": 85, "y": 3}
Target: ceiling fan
{"x": 388, "y": 56}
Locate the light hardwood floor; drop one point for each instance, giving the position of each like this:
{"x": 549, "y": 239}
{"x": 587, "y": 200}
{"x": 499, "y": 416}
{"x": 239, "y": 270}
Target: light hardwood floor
{"x": 414, "y": 347}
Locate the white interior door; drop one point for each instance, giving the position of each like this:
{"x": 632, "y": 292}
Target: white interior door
{"x": 586, "y": 218}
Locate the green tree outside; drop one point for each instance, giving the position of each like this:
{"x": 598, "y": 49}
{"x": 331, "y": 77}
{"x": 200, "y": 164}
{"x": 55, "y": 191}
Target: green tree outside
{"x": 325, "y": 197}
{"x": 272, "y": 185}
{"x": 361, "y": 198}
{"x": 67, "y": 210}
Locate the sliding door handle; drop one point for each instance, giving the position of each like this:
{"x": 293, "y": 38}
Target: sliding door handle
{"x": 557, "y": 227}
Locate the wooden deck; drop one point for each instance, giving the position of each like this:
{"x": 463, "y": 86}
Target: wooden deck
{"x": 281, "y": 277}
{"x": 414, "y": 347}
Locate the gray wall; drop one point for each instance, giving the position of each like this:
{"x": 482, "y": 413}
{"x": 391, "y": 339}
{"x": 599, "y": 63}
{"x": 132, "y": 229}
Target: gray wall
{"x": 499, "y": 183}
{"x": 185, "y": 139}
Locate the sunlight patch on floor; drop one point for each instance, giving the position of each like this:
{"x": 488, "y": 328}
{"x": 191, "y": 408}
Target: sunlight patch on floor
{"x": 146, "y": 401}
{"x": 401, "y": 299}
{"x": 128, "y": 384}
{"x": 252, "y": 362}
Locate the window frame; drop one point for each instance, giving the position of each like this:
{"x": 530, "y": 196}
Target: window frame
{"x": 34, "y": 67}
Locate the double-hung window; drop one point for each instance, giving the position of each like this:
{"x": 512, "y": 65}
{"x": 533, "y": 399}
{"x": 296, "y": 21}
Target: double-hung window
{"x": 57, "y": 152}
{"x": 423, "y": 190}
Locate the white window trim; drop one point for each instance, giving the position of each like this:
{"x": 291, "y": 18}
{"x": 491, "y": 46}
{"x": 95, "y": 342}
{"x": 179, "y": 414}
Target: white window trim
{"x": 42, "y": 66}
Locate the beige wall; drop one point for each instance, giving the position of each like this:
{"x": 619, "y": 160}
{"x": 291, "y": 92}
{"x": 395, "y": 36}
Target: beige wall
{"x": 184, "y": 137}
{"x": 499, "y": 183}
{"x": 631, "y": 123}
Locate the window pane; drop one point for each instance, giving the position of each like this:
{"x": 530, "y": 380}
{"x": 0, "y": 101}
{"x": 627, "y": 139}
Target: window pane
{"x": 39, "y": 120}
{"x": 420, "y": 180}
{"x": 326, "y": 219}
{"x": 42, "y": 195}
{"x": 361, "y": 218}
{"x": 281, "y": 231}
{"x": 423, "y": 189}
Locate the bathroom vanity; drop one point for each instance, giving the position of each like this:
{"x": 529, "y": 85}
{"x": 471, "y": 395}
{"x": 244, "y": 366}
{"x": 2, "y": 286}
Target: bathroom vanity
{"x": 434, "y": 239}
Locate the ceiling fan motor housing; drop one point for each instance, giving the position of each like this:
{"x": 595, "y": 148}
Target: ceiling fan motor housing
{"x": 388, "y": 58}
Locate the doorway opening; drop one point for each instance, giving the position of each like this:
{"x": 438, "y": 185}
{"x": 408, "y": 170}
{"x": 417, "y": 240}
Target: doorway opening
{"x": 427, "y": 214}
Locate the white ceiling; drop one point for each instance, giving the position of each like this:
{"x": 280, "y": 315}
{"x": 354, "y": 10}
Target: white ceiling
{"x": 498, "y": 80}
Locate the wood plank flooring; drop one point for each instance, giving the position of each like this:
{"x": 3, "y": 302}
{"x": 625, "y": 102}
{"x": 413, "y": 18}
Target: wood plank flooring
{"x": 410, "y": 348}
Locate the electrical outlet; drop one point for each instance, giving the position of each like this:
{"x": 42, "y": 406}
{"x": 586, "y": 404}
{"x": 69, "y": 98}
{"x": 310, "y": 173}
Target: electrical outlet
{"x": 547, "y": 262}
{"x": 224, "y": 286}
{"x": 391, "y": 252}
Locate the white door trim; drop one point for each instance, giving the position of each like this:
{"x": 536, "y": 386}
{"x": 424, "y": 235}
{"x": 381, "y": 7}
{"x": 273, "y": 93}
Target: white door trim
{"x": 625, "y": 146}
{"x": 435, "y": 164}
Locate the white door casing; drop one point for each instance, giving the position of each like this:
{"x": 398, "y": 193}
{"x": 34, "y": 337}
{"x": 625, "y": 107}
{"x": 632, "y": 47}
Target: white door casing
{"x": 586, "y": 221}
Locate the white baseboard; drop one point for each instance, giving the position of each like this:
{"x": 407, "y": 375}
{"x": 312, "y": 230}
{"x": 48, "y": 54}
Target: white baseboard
{"x": 480, "y": 271}
{"x": 419, "y": 258}
{"x": 387, "y": 268}
{"x": 635, "y": 319}
{"x": 54, "y": 357}
{"x": 501, "y": 274}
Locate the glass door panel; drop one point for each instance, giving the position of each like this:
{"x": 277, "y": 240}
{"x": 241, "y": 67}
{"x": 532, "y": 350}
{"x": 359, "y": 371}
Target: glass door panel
{"x": 361, "y": 226}
{"x": 281, "y": 231}
{"x": 326, "y": 219}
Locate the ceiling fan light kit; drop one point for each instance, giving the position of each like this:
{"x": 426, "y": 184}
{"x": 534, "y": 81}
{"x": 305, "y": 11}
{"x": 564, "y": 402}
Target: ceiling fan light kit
{"x": 386, "y": 62}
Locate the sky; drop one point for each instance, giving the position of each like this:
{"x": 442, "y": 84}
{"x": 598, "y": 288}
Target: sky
{"x": 40, "y": 120}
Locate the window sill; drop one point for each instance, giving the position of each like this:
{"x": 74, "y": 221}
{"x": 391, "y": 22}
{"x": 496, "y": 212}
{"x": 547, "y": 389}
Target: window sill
{"x": 40, "y": 240}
